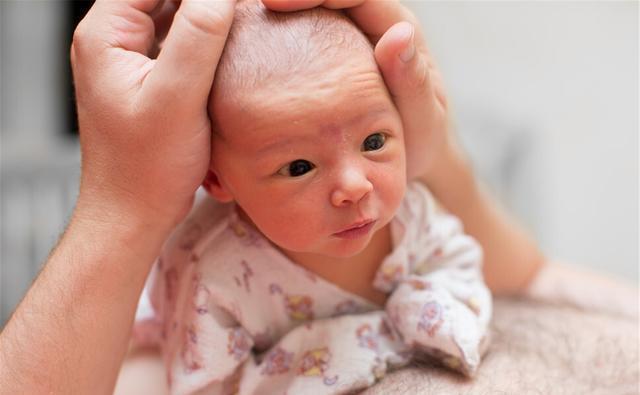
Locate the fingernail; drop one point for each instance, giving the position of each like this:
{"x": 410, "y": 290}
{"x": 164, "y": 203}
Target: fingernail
{"x": 410, "y": 50}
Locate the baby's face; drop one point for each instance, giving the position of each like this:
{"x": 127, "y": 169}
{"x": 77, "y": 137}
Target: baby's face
{"x": 312, "y": 158}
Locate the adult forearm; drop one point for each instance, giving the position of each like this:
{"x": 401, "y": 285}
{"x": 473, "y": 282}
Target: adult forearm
{"x": 70, "y": 332}
{"x": 511, "y": 256}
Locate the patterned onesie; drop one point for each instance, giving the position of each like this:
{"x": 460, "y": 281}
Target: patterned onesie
{"x": 232, "y": 314}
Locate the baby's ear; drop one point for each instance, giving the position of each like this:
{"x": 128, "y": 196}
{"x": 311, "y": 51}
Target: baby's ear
{"x": 215, "y": 188}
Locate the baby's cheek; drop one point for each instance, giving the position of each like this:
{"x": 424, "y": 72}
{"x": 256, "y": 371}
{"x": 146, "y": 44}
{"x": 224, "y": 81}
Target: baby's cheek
{"x": 288, "y": 228}
{"x": 391, "y": 186}
{"x": 397, "y": 193}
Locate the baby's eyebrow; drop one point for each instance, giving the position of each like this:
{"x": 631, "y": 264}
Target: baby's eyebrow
{"x": 277, "y": 144}
{"x": 280, "y": 142}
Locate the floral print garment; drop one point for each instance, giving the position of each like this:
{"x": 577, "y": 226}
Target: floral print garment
{"x": 234, "y": 315}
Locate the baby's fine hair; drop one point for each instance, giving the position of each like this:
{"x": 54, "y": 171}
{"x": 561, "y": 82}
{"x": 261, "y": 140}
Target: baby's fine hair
{"x": 268, "y": 49}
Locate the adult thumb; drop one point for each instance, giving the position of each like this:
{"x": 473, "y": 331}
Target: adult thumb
{"x": 404, "y": 66}
{"x": 416, "y": 88}
{"x": 187, "y": 62}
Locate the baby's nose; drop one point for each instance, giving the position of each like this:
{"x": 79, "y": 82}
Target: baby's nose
{"x": 352, "y": 186}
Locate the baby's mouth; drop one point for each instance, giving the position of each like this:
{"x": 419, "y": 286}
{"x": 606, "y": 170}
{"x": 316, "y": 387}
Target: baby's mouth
{"x": 356, "y": 230}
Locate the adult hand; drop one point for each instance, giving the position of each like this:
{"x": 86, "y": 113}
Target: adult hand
{"x": 144, "y": 129}
{"x": 408, "y": 70}
{"x": 574, "y": 286}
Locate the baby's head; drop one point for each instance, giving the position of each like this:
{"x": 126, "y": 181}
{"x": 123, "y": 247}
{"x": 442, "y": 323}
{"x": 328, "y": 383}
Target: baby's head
{"x": 306, "y": 138}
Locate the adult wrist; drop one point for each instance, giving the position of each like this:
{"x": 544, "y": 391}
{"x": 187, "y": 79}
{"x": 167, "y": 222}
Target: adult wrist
{"x": 114, "y": 255}
{"x": 127, "y": 214}
{"x": 120, "y": 225}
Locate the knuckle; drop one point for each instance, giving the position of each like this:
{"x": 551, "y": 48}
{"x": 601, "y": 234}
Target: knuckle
{"x": 80, "y": 35}
{"x": 79, "y": 43}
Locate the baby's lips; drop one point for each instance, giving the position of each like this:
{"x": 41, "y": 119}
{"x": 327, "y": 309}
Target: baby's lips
{"x": 357, "y": 224}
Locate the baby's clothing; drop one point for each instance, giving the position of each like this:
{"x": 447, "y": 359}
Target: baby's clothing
{"x": 232, "y": 314}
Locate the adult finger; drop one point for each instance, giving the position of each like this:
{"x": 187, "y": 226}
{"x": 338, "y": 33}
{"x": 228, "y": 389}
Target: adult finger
{"x": 163, "y": 17}
{"x": 294, "y": 5}
{"x": 416, "y": 87}
{"x": 115, "y": 24}
{"x": 190, "y": 53}
{"x": 407, "y": 67}
{"x": 373, "y": 17}
{"x": 390, "y": 24}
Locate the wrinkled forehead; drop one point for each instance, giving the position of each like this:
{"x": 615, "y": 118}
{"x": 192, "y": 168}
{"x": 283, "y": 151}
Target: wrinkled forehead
{"x": 331, "y": 96}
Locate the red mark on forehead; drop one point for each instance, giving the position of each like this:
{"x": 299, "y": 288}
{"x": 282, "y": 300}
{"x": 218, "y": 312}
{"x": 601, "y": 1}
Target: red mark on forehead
{"x": 335, "y": 134}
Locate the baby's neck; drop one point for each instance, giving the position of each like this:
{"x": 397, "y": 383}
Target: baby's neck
{"x": 354, "y": 274}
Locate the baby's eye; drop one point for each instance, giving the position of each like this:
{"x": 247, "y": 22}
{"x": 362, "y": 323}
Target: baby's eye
{"x": 373, "y": 142}
{"x": 296, "y": 168}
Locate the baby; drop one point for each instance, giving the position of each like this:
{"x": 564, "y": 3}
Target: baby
{"x": 323, "y": 268}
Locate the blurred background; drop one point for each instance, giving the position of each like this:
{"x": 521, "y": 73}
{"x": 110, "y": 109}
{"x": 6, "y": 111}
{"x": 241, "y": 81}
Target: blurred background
{"x": 544, "y": 95}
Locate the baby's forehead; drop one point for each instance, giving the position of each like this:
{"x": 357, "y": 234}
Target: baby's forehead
{"x": 350, "y": 86}
{"x": 307, "y": 114}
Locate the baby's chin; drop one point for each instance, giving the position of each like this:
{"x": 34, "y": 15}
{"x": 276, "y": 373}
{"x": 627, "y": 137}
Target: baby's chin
{"x": 340, "y": 250}
{"x": 348, "y": 249}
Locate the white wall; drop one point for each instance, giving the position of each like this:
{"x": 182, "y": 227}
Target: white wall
{"x": 32, "y": 84}
{"x": 568, "y": 72}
